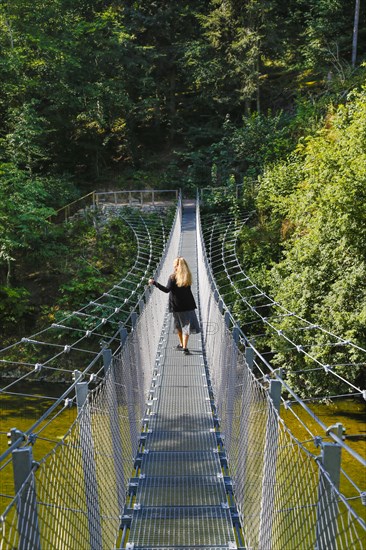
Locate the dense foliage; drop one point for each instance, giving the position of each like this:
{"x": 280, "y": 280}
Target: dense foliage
{"x": 65, "y": 266}
{"x": 304, "y": 246}
{"x": 188, "y": 93}
{"x": 89, "y": 87}
{"x": 316, "y": 204}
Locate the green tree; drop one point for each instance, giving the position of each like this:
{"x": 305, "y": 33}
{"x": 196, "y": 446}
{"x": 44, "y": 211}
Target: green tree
{"x": 318, "y": 203}
{"x": 25, "y": 204}
{"x": 233, "y": 32}
{"x": 63, "y": 64}
{"x": 160, "y": 81}
{"x": 27, "y": 143}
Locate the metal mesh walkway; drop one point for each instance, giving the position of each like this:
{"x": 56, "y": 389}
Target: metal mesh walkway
{"x": 181, "y": 499}
{"x": 145, "y": 408}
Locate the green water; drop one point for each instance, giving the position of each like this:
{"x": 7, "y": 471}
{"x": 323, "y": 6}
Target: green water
{"x": 351, "y": 413}
{"x": 23, "y": 412}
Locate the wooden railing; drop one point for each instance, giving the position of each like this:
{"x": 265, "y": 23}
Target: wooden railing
{"x": 137, "y": 198}
{"x": 64, "y": 213}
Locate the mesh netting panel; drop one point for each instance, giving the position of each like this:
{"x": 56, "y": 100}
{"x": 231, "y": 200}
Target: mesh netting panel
{"x": 74, "y": 499}
{"x": 190, "y": 527}
{"x": 181, "y": 491}
{"x": 284, "y": 499}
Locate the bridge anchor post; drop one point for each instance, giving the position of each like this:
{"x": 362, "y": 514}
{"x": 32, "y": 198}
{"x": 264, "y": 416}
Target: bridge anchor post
{"x": 327, "y": 509}
{"x": 112, "y": 400}
{"x": 270, "y": 467}
{"x": 89, "y": 467}
{"x": 28, "y": 528}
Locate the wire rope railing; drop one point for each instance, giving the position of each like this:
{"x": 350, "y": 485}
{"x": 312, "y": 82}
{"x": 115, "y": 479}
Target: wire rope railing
{"x": 136, "y": 277}
{"x": 96, "y": 320}
{"x": 287, "y": 496}
{"x": 150, "y": 242}
{"x": 222, "y": 245}
{"x": 221, "y": 240}
{"x": 79, "y": 485}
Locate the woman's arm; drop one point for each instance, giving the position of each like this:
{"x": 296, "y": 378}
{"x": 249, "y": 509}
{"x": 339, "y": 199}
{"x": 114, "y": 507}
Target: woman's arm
{"x": 166, "y": 288}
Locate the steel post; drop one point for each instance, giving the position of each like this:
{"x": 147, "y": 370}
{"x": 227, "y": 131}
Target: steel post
{"x": 134, "y": 319}
{"x": 327, "y": 509}
{"x": 112, "y": 400}
{"x": 227, "y": 319}
{"x": 28, "y": 528}
{"x": 123, "y": 335}
{"x": 249, "y": 358}
{"x": 231, "y": 388}
{"x": 269, "y": 467}
{"x": 89, "y": 466}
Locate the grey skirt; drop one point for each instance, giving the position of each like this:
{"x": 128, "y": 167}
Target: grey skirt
{"x": 186, "y": 322}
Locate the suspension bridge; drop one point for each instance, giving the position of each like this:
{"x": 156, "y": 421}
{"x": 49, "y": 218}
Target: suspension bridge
{"x": 168, "y": 451}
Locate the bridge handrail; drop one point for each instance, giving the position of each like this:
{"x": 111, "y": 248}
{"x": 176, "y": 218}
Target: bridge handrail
{"x": 96, "y": 197}
{"x": 274, "y": 474}
{"x": 20, "y": 438}
{"x": 153, "y": 193}
{"x": 68, "y": 207}
{"x": 246, "y": 342}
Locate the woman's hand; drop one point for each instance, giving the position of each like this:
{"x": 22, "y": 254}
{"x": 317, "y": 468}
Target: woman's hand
{"x": 151, "y": 281}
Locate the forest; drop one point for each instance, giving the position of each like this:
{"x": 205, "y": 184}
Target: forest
{"x": 265, "y": 94}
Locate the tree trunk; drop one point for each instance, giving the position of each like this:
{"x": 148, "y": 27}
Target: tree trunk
{"x": 258, "y": 89}
{"x": 8, "y": 274}
{"x": 8, "y": 26}
{"x": 355, "y": 32}
{"x": 172, "y": 104}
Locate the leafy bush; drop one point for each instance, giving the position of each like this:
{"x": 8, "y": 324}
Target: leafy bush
{"x": 14, "y": 305}
{"x": 85, "y": 285}
{"x": 314, "y": 207}
{"x": 245, "y": 150}
{"x": 26, "y": 202}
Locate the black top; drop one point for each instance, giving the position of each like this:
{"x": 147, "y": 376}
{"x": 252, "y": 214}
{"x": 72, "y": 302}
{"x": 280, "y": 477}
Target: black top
{"x": 180, "y": 297}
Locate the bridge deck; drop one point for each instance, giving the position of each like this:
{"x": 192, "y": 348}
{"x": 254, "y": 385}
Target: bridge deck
{"x": 181, "y": 501}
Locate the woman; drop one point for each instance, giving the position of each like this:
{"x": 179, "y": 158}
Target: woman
{"x": 181, "y": 302}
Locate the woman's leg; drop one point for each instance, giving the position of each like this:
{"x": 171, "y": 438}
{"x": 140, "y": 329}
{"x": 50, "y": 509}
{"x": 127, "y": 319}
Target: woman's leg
{"x": 185, "y": 341}
{"x": 180, "y": 336}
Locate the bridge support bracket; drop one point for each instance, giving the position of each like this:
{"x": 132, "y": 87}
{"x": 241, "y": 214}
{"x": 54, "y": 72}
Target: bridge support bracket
{"x": 126, "y": 520}
{"x": 137, "y": 462}
{"x": 228, "y": 484}
{"x": 219, "y": 438}
{"x": 133, "y": 485}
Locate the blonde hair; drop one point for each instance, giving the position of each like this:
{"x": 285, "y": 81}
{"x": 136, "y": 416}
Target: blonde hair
{"x": 182, "y": 273}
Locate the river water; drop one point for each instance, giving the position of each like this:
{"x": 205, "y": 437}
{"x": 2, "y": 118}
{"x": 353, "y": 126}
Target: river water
{"x": 22, "y": 412}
